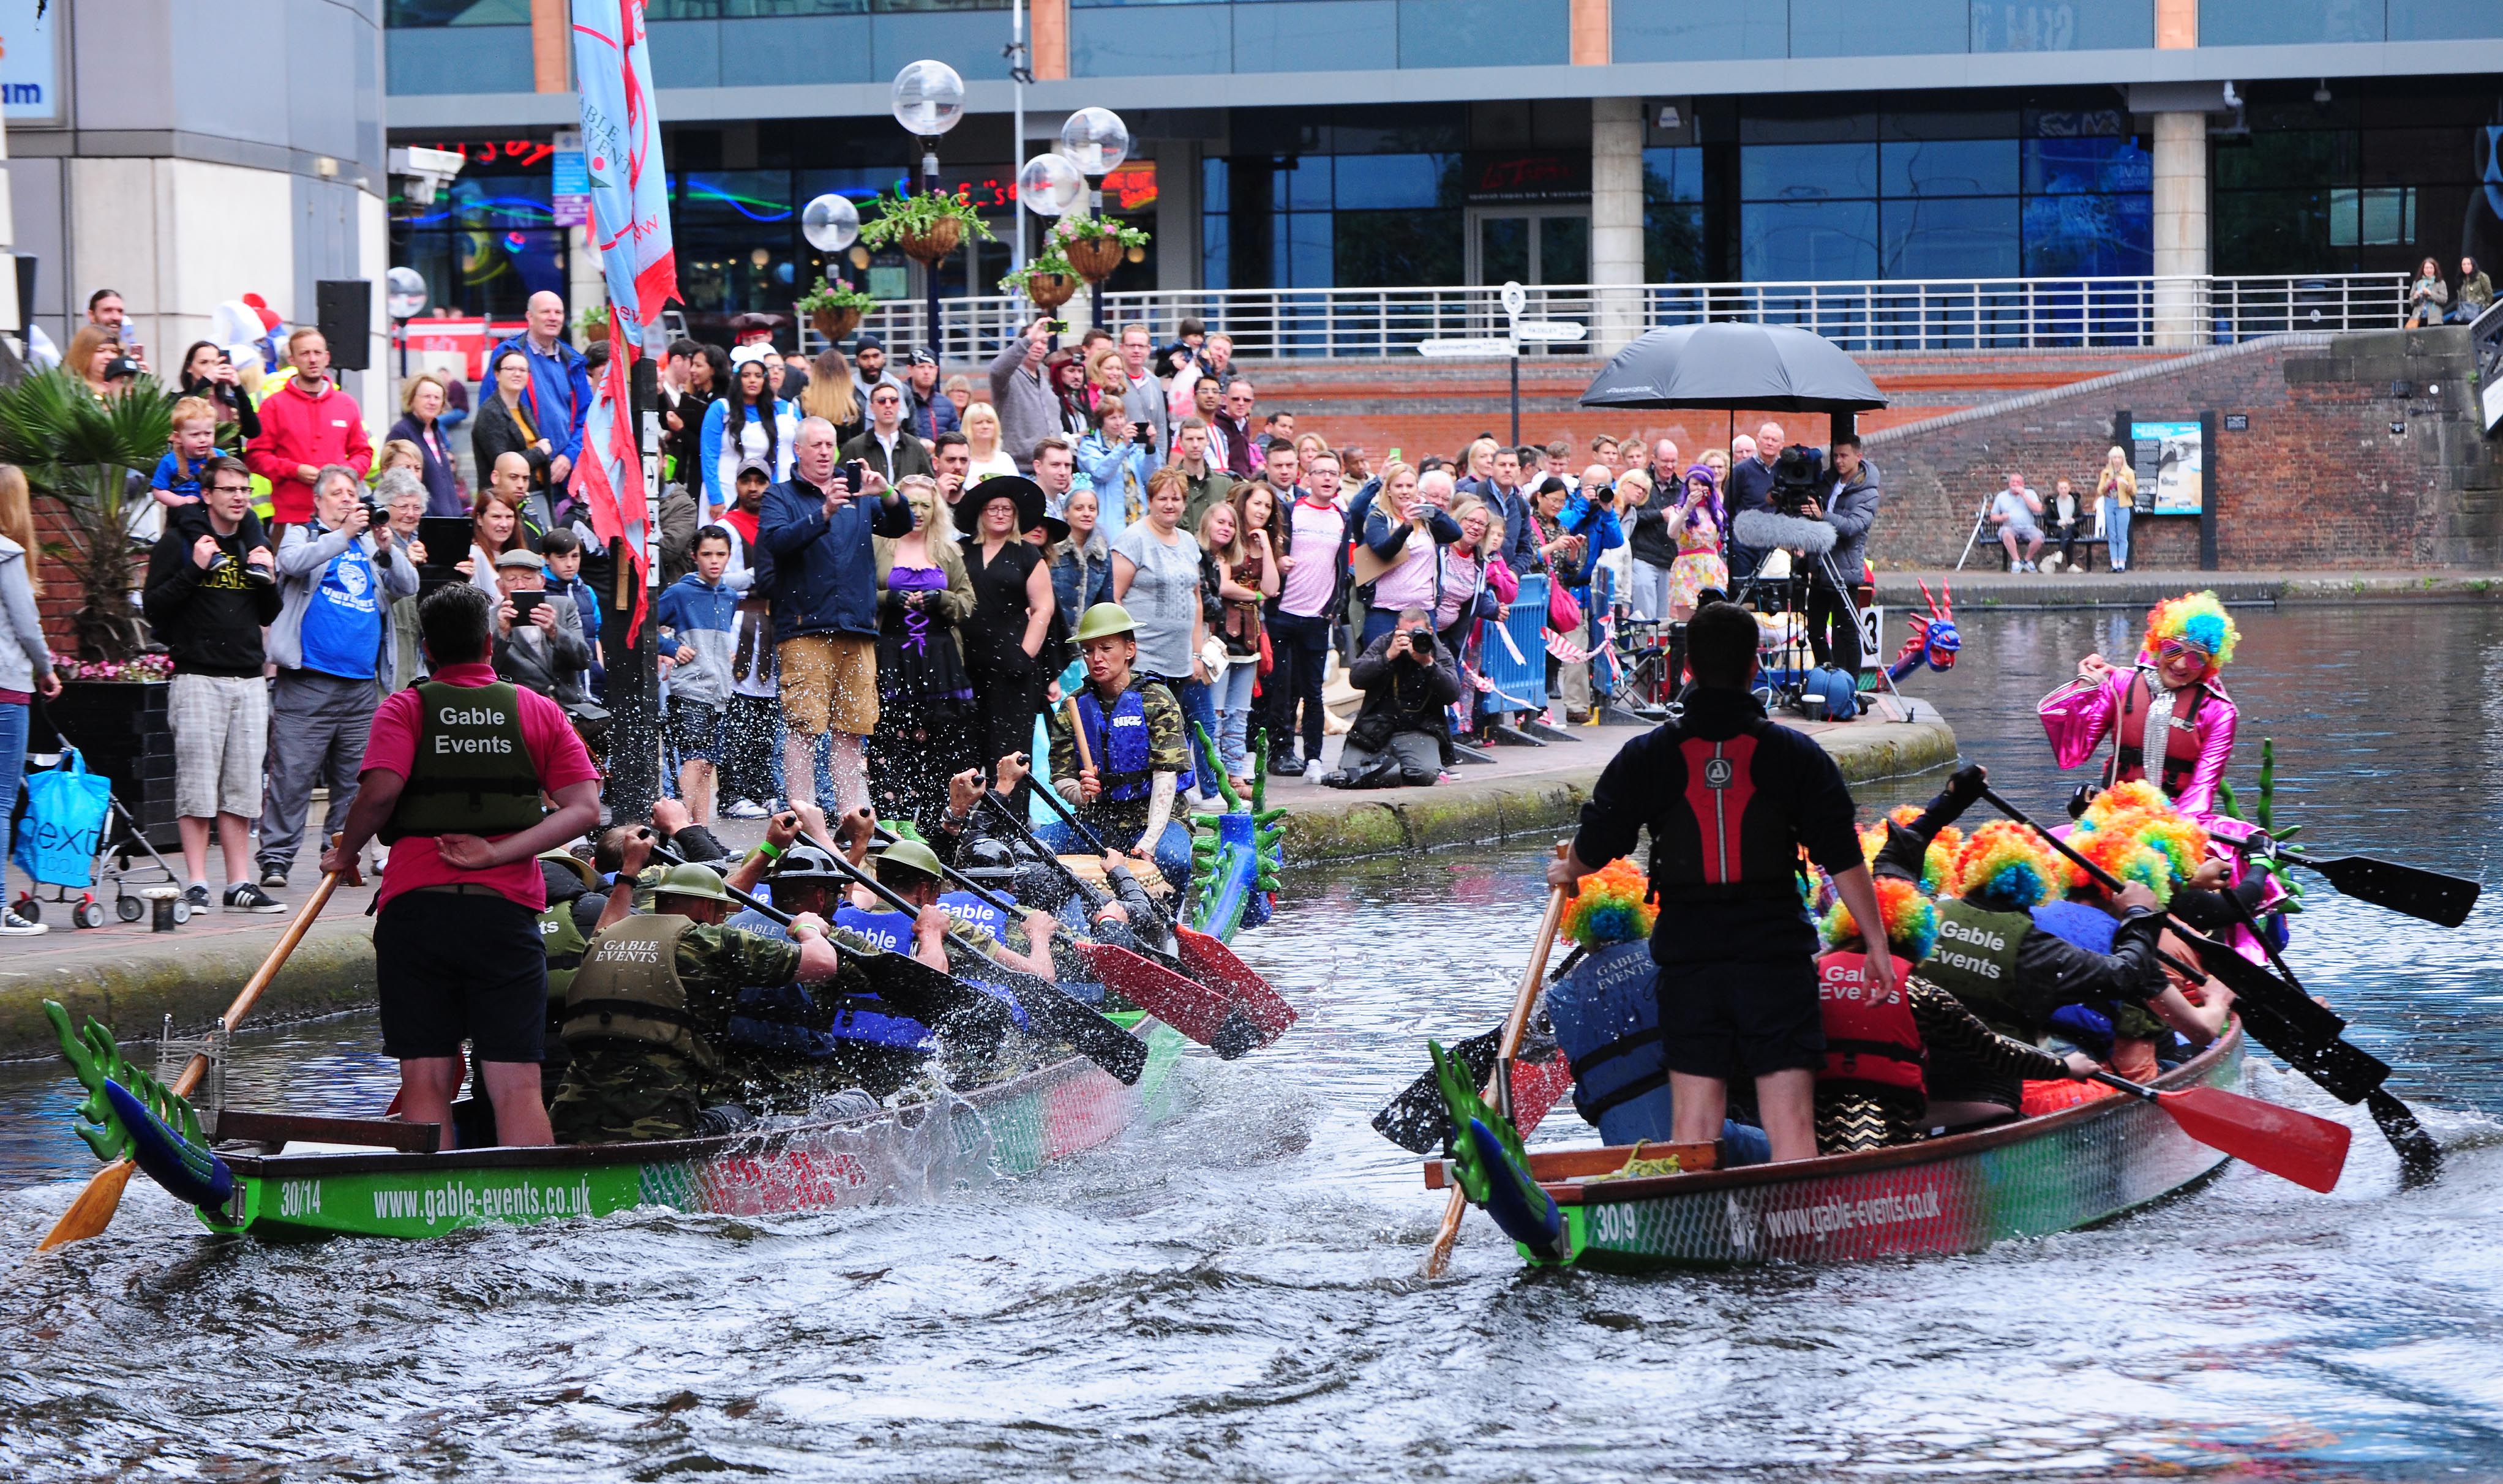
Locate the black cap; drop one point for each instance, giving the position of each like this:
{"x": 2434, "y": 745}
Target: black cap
{"x": 921, "y": 355}
{"x": 866, "y": 343}
{"x": 120, "y": 367}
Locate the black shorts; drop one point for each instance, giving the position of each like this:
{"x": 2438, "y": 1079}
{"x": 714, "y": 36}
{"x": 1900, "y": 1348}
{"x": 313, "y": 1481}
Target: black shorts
{"x": 697, "y": 730}
{"x": 1740, "y": 1020}
{"x": 461, "y": 966}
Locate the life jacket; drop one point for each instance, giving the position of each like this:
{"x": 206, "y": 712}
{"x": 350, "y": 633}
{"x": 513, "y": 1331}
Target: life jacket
{"x": 627, "y": 989}
{"x": 1710, "y": 843}
{"x": 890, "y": 931}
{"x": 471, "y": 773}
{"x": 1121, "y": 746}
{"x": 2181, "y": 738}
{"x": 562, "y": 939}
{"x": 1975, "y": 961}
{"x": 1870, "y": 1044}
{"x": 1606, "y": 1016}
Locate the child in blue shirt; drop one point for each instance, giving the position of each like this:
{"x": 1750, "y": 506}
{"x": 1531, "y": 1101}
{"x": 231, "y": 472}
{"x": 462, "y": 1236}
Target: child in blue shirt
{"x": 194, "y": 441}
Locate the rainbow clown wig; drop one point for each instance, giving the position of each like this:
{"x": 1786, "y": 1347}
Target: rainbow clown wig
{"x": 2134, "y": 831}
{"x": 1612, "y": 906}
{"x": 2194, "y": 619}
{"x": 1911, "y": 920}
{"x": 1938, "y": 863}
{"x": 2004, "y": 867}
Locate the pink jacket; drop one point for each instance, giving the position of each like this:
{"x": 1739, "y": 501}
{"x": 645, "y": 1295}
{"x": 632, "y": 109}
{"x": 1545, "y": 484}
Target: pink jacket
{"x": 2079, "y": 718}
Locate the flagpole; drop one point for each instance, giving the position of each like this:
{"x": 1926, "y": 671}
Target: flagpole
{"x": 634, "y": 685}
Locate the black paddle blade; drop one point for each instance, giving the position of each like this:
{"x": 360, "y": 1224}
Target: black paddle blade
{"x": 1052, "y": 1012}
{"x": 949, "y": 1006}
{"x": 1416, "y": 1120}
{"x": 2428, "y": 896}
{"x": 2419, "y": 1157}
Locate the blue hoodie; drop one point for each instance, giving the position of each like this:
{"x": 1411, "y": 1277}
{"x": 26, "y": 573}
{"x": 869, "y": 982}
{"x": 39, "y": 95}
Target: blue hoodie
{"x": 703, "y": 616}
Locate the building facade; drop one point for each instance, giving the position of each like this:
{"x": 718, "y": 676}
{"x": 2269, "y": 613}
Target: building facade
{"x": 1388, "y": 144}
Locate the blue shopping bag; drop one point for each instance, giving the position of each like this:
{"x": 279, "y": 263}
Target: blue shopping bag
{"x": 66, "y": 807}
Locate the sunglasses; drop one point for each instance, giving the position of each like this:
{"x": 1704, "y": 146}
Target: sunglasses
{"x": 2169, "y": 647}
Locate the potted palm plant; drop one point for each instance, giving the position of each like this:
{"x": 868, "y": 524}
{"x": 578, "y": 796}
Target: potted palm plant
{"x": 81, "y": 454}
{"x": 927, "y": 228}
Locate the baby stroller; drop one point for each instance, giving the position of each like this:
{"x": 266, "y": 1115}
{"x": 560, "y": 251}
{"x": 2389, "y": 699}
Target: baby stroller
{"x": 72, "y": 818}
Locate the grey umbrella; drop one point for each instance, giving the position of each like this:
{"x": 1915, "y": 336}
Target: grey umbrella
{"x": 1725, "y": 364}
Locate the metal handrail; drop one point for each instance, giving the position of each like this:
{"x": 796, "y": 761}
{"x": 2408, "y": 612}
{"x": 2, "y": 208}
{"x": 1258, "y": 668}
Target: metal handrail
{"x": 1880, "y": 315}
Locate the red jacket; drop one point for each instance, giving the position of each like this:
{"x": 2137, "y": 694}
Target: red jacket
{"x": 296, "y": 428}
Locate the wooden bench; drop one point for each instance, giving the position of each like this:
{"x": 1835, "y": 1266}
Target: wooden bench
{"x": 273, "y": 1131}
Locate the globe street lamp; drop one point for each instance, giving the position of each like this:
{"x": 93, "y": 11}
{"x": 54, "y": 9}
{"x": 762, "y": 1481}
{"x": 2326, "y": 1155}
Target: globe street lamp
{"x": 929, "y": 100}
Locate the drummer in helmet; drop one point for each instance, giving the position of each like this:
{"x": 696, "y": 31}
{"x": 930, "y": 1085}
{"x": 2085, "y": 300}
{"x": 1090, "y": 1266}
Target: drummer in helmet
{"x": 1136, "y": 757}
{"x": 647, "y": 1012}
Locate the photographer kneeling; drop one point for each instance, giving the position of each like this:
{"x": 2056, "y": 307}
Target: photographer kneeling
{"x": 1408, "y": 679}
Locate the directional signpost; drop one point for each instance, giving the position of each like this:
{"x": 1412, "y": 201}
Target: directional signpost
{"x": 1518, "y": 330}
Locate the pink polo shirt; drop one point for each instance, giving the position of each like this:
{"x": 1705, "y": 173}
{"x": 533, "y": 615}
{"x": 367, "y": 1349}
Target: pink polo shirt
{"x": 555, "y": 751}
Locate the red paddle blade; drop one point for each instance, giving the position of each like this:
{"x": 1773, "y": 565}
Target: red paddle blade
{"x": 1536, "y": 1088}
{"x": 1196, "y": 1009}
{"x": 1217, "y": 964}
{"x": 2284, "y": 1141}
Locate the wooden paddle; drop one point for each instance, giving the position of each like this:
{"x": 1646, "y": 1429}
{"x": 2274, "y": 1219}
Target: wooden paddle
{"x": 1498, "y": 1087}
{"x": 2286, "y": 1142}
{"x": 95, "y": 1206}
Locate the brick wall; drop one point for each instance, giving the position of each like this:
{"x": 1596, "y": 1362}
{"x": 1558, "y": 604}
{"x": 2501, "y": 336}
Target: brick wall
{"x": 2318, "y": 480}
{"x": 60, "y": 596}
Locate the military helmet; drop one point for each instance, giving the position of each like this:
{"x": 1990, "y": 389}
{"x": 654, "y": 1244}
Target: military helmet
{"x": 806, "y": 862}
{"x": 910, "y": 855}
{"x": 1105, "y": 620}
{"x": 691, "y": 880}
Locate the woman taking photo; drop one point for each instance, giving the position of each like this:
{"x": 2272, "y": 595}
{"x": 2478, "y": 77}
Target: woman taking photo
{"x": 748, "y": 423}
{"x": 1466, "y": 595}
{"x": 982, "y": 445}
{"x": 2116, "y": 495}
{"x": 1400, "y": 533}
{"x": 505, "y": 424}
{"x": 1243, "y": 575}
{"x": 421, "y": 406}
{"x": 1696, "y": 525}
{"x": 26, "y": 660}
{"x": 2427, "y": 296}
{"x": 493, "y": 530}
{"x": 1081, "y": 563}
{"x": 208, "y": 374}
{"x": 1013, "y": 608}
{"x": 833, "y": 394}
{"x": 925, "y": 699}
{"x": 1155, "y": 575}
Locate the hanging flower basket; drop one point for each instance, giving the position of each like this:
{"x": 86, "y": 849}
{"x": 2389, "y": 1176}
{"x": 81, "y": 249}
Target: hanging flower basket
{"x": 1051, "y": 290}
{"x": 925, "y": 227}
{"x": 1048, "y": 280}
{"x": 834, "y": 308}
{"x": 932, "y": 243}
{"x": 835, "y": 324}
{"x": 1095, "y": 246}
{"x": 1094, "y": 259}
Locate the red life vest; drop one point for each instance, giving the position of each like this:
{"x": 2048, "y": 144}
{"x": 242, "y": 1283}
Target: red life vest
{"x": 1868, "y": 1041}
{"x": 1711, "y": 841}
{"x": 2181, "y": 738}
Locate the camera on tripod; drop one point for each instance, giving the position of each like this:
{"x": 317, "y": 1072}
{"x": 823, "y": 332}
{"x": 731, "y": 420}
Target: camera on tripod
{"x": 1799, "y": 477}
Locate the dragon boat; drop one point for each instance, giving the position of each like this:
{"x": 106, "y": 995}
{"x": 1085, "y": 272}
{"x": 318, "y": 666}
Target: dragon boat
{"x": 1661, "y": 1206}
{"x": 284, "y": 1176}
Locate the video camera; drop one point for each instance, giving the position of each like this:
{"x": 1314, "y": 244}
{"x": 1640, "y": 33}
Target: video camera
{"x": 1799, "y": 477}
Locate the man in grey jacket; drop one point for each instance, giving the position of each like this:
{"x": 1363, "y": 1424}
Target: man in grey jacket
{"x": 1850, "y": 507}
{"x": 337, "y": 576}
{"x": 1028, "y": 414}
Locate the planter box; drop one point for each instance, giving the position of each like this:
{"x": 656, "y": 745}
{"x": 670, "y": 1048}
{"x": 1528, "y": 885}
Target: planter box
{"x": 120, "y": 728}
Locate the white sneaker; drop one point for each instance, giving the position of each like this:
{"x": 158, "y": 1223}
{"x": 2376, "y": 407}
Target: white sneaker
{"x": 15, "y": 927}
{"x": 743, "y": 809}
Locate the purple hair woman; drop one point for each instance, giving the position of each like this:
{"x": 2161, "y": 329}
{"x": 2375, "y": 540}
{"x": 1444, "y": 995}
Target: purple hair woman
{"x": 1695, "y": 521}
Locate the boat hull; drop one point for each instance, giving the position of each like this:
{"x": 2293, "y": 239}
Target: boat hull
{"x": 2070, "y": 1170}
{"x": 903, "y": 1153}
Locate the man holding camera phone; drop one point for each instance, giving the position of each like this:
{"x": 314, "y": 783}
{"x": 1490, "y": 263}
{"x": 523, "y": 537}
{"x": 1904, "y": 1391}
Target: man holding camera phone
{"x": 338, "y": 574}
{"x": 539, "y": 645}
{"x": 1028, "y": 411}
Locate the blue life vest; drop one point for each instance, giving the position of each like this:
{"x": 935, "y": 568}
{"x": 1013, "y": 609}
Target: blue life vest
{"x": 973, "y": 912}
{"x": 1122, "y": 757}
{"x": 892, "y": 931}
{"x": 2079, "y": 925}
{"x": 1606, "y": 1016}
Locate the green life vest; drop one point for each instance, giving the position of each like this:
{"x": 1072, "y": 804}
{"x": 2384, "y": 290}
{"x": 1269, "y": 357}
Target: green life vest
{"x": 562, "y": 939}
{"x": 1975, "y": 961}
{"x": 473, "y": 773}
{"x": 627, "y": 989}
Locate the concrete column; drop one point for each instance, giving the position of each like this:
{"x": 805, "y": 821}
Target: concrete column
{"x": 551, "y": 47}
{"x": 2180, "y": 229}
{"x": 8, "y": 325}
{"x": 1615, "y": 221}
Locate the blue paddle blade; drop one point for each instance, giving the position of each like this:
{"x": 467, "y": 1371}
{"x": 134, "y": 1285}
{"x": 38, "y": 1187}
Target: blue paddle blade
{"x": 1523, "y": 1211}
{"x": 190, "y": 1174}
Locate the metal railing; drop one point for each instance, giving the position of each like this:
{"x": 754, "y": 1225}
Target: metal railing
{"x": 1885, "y": 315}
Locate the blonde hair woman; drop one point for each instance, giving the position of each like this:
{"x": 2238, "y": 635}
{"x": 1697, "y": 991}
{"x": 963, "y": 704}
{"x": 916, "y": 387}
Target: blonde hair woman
{"x": 925, "y": 697}
{"x": 1477, "y": 461}
{"x": 982, "y": 443}
{"x": 833, "y": 394}
{"x": 2116, "y": 492}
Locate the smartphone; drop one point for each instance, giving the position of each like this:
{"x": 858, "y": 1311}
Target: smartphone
{"x": 1394, "y": 456}
{"x": 855, "y": 474}
{"x": 525, "y": 605}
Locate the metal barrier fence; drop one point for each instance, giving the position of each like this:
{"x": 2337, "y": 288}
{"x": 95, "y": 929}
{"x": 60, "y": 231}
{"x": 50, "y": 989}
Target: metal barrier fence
{"x": 1886, "y": 315}
{"x": 1513, "y": 652}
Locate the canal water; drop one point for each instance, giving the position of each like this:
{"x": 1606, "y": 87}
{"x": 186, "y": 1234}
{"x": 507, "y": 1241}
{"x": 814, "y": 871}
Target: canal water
{"x": 1233, "y": 1293}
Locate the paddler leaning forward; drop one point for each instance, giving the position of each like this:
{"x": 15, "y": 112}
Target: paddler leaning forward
{"x": 453, "y": 777}
{"x": 1730, "y": 799}
{"x": 649, "y": 1010}
{"x": 1137, "y": 752}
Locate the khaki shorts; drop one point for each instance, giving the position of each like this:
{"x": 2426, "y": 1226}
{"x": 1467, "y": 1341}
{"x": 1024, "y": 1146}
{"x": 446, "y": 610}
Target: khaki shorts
{"x": 829, "y": 683}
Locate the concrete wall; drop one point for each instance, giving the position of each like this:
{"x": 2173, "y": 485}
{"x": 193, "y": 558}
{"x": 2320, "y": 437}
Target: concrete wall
{"x": 2319, "y": 479}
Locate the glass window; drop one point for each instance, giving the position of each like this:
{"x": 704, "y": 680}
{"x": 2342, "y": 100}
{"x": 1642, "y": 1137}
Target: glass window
{"x": 1698, "y": 30}
{"x": 2286, "y": 23}
{"x": 485, "y": 201}
{"x": 2286, "y": 157}
{"x": 1788, "y": 240}
{"x": 1307, "y": 250}
{"x": 1672, "y": 242}
{"x": 2443, "y": 19}
{"x": 1504, "y": 250}
{"x": 1367, "y": 182}
{"x": 2062, "y": 26}
{"x": 1565, "y": 250}
{"x": 2075, "y": 237}
{"x": 1673, "y": 174}
{"x": 727, "y": 196}
{"x": 1807, "y": 172}
{"x": 1215, "y": 197}
{"x": 1302, "y": 184}
{"x": 2060, "y": 166}
{"x": 1949, "y": 167}
{"x": 2382, "y": 216}
{"x": 1969, "y": 237}
{"x": 1400, "y": 130}
{"x": 1398, "y": 249}
{"x": 486, "y": 272}
{"x": 406, "y": 14}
